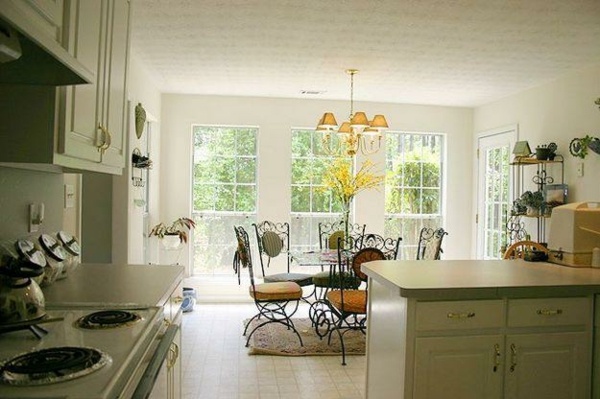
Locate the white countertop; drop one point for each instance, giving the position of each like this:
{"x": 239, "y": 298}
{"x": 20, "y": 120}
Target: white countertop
{"x": 482, "y": 278}
{"x": 113, "y": 284}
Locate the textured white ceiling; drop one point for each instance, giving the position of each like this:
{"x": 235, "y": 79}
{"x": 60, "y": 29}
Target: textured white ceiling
{"x": 446, "y": 52}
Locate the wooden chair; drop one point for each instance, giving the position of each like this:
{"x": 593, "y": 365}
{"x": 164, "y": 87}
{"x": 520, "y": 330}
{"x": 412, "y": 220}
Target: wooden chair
{"x": 273, "y": 240}
{"x": 271, "y": 299}
{"x": 519, "y": 249}
{"x": 430, "y": 243}
{"x": 349, "y": 304}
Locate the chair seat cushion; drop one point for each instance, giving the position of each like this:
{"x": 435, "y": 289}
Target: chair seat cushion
{"x": 276, "y": 291}
{"x": 299, "y": 278}
{"x": 355, "y": 301}
{"x": 321, "y": 279}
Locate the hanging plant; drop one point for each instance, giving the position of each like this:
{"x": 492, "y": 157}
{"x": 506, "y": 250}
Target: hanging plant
{"x": 579, "y": 146}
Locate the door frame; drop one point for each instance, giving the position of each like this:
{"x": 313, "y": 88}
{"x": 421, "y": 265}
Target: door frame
{"x": 512, "y": 135}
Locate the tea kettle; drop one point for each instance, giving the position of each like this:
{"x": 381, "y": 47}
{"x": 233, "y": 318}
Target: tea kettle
{"x": 21, "y": 299}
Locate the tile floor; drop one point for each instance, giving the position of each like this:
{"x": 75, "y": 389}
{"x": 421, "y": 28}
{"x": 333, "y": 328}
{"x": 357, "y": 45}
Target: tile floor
{"x": 216, "y": 364}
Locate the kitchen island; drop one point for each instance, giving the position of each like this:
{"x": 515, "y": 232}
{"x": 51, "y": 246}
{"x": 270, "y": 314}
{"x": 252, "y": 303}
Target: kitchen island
{"x": 480, "y": 329}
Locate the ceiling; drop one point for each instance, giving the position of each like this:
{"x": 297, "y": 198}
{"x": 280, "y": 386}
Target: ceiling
{"x": 445, "y": 52}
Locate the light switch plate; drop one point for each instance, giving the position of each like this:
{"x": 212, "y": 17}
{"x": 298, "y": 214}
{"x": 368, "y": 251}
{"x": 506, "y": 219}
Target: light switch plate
{"x": 580, "y": 169}
{"x": 69, "y": 196}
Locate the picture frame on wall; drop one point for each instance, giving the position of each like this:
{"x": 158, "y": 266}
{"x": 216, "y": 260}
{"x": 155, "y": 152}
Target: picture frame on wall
{"x": 555, "y": 195}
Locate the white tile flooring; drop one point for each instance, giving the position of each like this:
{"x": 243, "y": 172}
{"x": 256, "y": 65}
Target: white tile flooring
{"x": 216, "y": 364}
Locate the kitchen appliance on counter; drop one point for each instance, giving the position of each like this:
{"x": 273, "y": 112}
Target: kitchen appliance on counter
{"x": 574, "y": 233}
{"x": 91, "y": 353}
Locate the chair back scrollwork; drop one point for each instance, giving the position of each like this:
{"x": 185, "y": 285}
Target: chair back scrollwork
{"x": 389, "y": 246}
{"x": 330, "y": 232}
{"x": 430, "y": 243}
{"x": 243, "y": 256}
{"x": 272, "y": 239}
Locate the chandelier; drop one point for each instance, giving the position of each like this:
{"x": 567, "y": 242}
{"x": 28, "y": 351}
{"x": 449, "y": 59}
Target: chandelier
{"x": 356, "y": 134}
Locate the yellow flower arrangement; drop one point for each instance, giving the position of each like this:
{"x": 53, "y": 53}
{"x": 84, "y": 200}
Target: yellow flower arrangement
{"x": 344, "y": 185}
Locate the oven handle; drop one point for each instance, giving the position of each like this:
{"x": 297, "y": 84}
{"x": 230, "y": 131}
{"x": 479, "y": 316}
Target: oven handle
{"x": 151, "y": 374}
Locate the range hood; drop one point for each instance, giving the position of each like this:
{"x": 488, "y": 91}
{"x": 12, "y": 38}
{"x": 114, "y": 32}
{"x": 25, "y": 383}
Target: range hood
{"x": 30, "y": 57}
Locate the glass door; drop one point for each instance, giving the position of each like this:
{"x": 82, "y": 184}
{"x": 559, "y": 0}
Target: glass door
{"x": 493, "y": 193}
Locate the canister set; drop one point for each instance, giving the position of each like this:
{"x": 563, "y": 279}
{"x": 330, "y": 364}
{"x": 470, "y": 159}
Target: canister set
{"x": 26, "y": 265}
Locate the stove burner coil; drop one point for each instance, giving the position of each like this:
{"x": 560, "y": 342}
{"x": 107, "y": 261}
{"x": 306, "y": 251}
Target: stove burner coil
{"x": 47, "y": 366}
{"x": 108, "y": 319}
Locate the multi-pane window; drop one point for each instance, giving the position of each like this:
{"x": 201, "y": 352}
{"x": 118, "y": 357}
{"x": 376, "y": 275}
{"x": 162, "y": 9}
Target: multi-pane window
{"x": 224, "y": 192}
{"x": 413, "y": 186}
{"x": 310, "y": 203}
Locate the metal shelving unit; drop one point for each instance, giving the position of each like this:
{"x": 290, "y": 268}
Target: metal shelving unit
{"x": 515, "y": 224}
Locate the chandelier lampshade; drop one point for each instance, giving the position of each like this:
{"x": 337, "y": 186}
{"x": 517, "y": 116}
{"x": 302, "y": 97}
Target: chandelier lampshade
{"x": 355, "y": 134}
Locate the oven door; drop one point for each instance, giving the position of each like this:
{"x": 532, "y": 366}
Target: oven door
{"x": 166, "y": 353}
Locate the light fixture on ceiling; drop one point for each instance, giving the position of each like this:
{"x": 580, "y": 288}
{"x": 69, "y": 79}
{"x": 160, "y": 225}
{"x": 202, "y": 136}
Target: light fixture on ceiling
{"x": 356, "y": 134}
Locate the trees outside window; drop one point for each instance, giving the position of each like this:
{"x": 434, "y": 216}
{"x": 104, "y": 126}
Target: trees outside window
{"x": 224, "y": 192}
{"x": 310, "y": 203}
{"x": 413, "y": 186}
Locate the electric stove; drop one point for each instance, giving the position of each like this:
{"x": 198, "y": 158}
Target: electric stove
{"x": 91, "y": 353}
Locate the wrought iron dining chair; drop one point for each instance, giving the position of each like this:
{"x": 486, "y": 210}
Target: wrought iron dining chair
{"x": 271, "y": 299}
{"x": 273, "y": 240}
{"x": 430, "y": 243}
{"x": 330, "y": 232}
{"x": 390, "y": 246}
{"x": 349, "y": 304}
{"x": 330, "y": 235}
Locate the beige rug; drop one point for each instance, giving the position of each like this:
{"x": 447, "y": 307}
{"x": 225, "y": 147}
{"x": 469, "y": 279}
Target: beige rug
{"x": 276, "y": 339}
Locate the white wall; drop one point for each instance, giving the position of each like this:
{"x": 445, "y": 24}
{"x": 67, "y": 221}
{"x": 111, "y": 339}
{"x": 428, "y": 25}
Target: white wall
{"x": 128, "y": 218}
{"x": 275, "y": 117}
{"x": 555, "y": 112}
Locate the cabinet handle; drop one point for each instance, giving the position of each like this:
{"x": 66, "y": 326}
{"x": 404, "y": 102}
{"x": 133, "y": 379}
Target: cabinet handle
{"x": 462, "y": 315}
{"x": 173, "y": 355}
{"x": 513, "y": 357}
{"x": 549, "y": 312}
{"x": 497, "y": 355}
{"x": 106, "y": 142}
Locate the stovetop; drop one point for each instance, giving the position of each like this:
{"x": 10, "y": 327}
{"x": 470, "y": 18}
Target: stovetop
{"x": 122, "y": 346}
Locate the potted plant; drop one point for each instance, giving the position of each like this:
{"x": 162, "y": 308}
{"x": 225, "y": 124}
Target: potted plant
{"x": 175, "y": 234}
{"x": 533, "y": 201}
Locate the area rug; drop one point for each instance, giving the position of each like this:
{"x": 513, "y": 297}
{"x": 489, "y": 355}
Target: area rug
{"x": 276, "y": 339}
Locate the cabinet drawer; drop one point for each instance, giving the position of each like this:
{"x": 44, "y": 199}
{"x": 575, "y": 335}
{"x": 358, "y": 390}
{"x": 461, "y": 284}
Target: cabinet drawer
{"x": 549, "y": 312}
{"x": 458, "y": 315}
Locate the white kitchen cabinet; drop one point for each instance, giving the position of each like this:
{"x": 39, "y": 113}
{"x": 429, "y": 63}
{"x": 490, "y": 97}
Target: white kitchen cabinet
{"x": 95, "y": 119}
{"x": 498, "y": 348}
{"x": 79, "y": 127}
{"x": 168, "y": 382}
{"x": 466, "y": 367}
{"x": 46, "y": 15}
{"x": 548, "y": 366}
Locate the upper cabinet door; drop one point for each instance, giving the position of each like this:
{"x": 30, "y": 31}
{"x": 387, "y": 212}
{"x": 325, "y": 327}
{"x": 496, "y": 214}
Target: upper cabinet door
{"x": 116, "y": 84}
{"x": 94, "y": 125}
{"x": 86, "y": 41}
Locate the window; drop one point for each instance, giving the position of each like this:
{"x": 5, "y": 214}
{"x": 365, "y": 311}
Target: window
{"x": 310, "y": 205}
{"x": 413, "y": 186}
{"x": 224, "y": 192}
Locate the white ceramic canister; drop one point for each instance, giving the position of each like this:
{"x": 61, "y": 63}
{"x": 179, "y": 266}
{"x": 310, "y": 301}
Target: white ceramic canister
{"x": 29, "y": 251}
{"x": 72, "y": 250}
{"x": 55, "y": 255}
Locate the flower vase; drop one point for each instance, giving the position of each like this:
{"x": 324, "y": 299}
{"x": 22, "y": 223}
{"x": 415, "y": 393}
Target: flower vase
{"x": 346, "y": 222}
{"x": 171, "y": 242}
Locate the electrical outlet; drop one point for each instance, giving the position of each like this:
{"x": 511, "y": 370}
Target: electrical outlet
{"x": 580, "y": 169}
